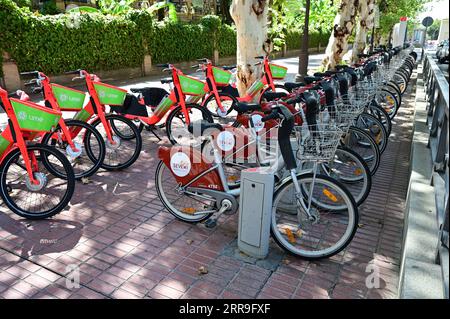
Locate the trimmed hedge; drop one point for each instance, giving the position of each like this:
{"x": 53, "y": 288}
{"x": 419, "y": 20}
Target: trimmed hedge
{"x": 293, "y": 39}
{"x": 62, "y": 42}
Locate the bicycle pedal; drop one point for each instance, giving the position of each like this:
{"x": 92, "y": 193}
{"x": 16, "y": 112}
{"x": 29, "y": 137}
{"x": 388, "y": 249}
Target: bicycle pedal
{"x": 210, "y": 223}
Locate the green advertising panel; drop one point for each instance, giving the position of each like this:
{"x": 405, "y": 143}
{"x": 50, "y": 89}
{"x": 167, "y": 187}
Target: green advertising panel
{"x": 278, "y": 71}
{"x": 68, "y": 99}
{"x": 163, "y": 106}
{"x": 4, "y": 144}
{"x": 109, "y": 95}
{"x": 221, "y": 76}
{"x": 33, "y": 117}
{"x": 191, "y": 86}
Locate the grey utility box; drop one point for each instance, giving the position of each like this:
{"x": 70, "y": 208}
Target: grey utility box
{"x": 257, "y": 186}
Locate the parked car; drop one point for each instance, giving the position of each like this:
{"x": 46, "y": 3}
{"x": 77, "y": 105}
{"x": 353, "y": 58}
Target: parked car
{"x": 442, "y": 51}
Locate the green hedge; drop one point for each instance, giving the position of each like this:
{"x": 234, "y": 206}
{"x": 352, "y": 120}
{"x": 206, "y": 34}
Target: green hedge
{"x": 93, "y": 41}
{"x": 293, "y": 39}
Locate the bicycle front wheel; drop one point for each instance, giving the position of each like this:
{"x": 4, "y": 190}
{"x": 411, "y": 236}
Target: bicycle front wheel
{"x": 307, "y": 230}
{"x": 36, "y": 201}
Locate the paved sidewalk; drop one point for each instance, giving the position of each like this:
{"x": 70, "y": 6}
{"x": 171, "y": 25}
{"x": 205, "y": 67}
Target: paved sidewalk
{"x": 126, "y": 245}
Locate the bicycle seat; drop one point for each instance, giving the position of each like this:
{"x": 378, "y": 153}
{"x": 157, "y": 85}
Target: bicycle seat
{"x": 198, "y": 128}
{"x": 311, "y": 79}
{"x": 229, "y": 67}
{"x": 292, "y": 85}
{"x": 271, "y": 96}
{"x": 166, "y": 80}
{"x": 242, "y": 107}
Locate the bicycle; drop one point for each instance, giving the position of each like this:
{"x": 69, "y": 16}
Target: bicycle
{"x": 191, "y": 177}
{"x": 70, "y": 136}
{"x": 175, "y": 105}
{"x": 28, "y": 185}
{"x": 122, "y": 139}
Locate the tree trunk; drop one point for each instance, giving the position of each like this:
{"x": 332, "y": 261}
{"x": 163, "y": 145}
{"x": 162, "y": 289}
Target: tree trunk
{"x": 366, "y": 14}
{"x": 250, "y": 18}
{"x": 343, "y": 27}
{"x": 304, "y": 56}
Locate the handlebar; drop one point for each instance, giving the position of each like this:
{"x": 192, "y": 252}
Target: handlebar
{"x": 32, "y": 73}
{"x": 204, "y": 60}
{"x": 73, "y": 72}
{"x": 163, "y": 65}
{"x": 261, "y": 57}
{"x": 32, "y": 82}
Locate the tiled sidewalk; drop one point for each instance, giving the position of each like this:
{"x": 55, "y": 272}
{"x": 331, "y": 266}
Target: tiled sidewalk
{"x": 126, "y": 245}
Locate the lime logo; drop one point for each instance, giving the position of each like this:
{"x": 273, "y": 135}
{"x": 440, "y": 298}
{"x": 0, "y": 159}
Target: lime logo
{"x": 63, "y": 97}
{"x": 22, "y": 115}
{"x": 180, "y": 164}
{"x": 102, "y": 93}
{"x": 225, "y": 141}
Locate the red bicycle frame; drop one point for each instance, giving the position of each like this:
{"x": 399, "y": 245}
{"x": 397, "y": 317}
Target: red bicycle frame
{"x": 13, "y": 136}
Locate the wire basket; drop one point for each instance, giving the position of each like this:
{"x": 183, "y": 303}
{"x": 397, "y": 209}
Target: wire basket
{"x": 317, "y": 142}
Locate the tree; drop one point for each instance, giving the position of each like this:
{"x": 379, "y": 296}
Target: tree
{"x": 366, "y": 15}
{"x": 342, "y": 29}
{"x": 392, "y": 10}
{"x": 250, "y": 18}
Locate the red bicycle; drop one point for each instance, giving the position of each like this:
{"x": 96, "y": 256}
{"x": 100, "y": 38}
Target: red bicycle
{"x": 178, "y": 105}
{"x": 29, "y": 184}
{"x": 82, "y": 144}
{"x": 122, "y": 139}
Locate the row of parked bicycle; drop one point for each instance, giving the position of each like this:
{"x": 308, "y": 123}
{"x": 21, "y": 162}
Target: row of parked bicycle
{"x": 339, "y": 120}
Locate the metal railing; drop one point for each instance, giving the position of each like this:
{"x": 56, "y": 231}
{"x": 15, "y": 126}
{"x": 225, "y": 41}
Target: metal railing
{"x": 437, "y": 98}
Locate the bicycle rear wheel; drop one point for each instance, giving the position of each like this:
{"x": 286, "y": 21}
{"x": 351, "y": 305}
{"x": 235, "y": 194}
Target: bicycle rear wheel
{"x": 36, "y": 201}
{"x": 185, "y": 206}
{"x": 127, "y": 142}
{"x": 91, "y": 151}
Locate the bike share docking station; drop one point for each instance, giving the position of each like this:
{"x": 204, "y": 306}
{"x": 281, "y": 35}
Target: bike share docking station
{"x": 257, "y": 187}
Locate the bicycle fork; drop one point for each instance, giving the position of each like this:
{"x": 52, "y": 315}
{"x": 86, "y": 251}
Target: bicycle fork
{"x": 299, "y": 196}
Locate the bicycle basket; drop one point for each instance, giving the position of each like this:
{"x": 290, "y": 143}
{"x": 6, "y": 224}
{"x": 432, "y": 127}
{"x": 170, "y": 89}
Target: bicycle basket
{"x": 34, "y": 117}
{"x": 317, "y": 142}
{"x": 278, "y": 71}
{"x": 191, "y": 86}
{"x": 109, "y": 95}
{"x": 68, "y": 99}
{"x": 221, "y": 76}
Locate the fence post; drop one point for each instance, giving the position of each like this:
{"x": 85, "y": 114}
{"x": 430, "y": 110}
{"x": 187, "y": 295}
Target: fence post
{"x": 11, "y": 77}
{"x": 147, "y": 63}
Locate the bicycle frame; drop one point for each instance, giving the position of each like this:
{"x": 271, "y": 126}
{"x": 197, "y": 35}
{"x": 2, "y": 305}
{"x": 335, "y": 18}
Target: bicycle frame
{"x": 176, "y": 98}
{"x": 13, "y": 137}
{"x": 44, "y": 81}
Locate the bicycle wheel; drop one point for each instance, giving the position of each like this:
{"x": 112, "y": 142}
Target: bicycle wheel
{"x": 388, "y": 102}
{"x": 395, "y": 90}
{"x": 351, "y": 170}
{"x": 176, "y": 127}
{"x": 279, "y": 88}
{"x": 91, "y": 151}
{"x": 44, "y": 200}
{"x": 189, "y": 207}
{"x": 227, "y": 101}
{"x": 128, "y": 142}
{"x": 377, "y": 111}
{"x": 327, "y": 232}
{"x": 375, "y": 128}
{"x": 362, "y": 143}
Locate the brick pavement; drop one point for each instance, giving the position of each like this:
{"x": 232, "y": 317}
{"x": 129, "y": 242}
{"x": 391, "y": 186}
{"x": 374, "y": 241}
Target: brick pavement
{"x": 126, "y": 245}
